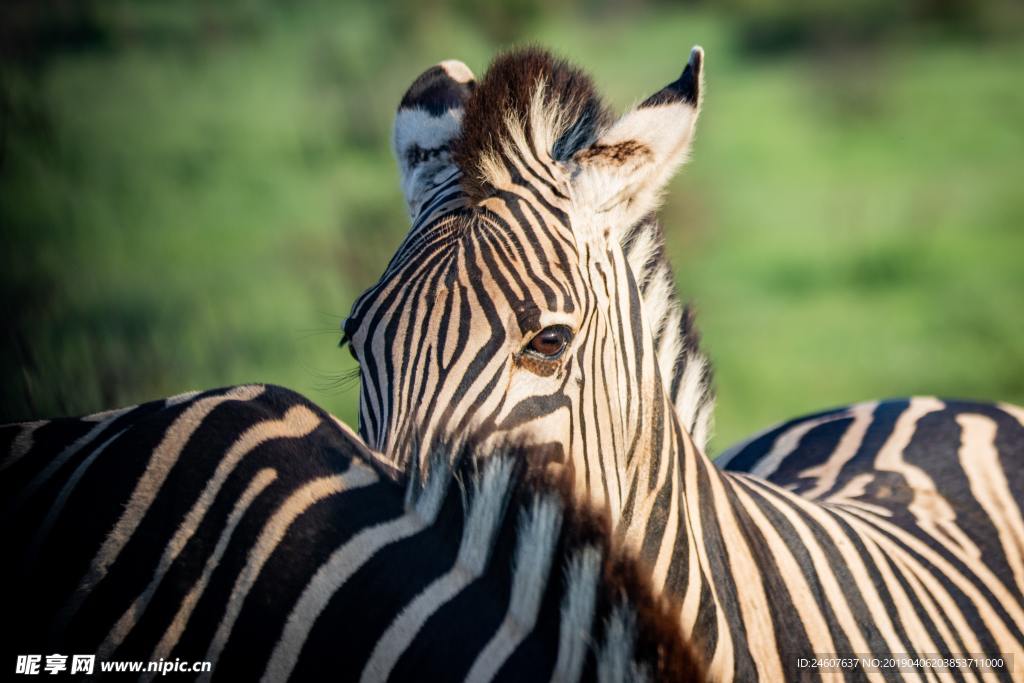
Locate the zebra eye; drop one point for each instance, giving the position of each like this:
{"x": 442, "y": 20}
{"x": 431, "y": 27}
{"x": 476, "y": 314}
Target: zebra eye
{"x": 550, "y": 342}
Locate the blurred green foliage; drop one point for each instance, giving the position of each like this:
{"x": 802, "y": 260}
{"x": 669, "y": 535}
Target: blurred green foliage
{"x": 192, "y": 193}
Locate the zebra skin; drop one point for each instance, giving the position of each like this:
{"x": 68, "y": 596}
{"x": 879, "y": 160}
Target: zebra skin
{"x": 531, "y": 297}
{"x": 830, "y": 454}
{"x": 248, "y": 528}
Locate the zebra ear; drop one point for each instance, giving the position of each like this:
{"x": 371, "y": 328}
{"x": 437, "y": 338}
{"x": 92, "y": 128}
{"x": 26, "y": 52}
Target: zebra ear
{"x": 625, "y": 170}
{"x": 428, "y": 118}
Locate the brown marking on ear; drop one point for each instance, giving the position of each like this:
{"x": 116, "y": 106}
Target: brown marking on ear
{"x": 618, "y": 154}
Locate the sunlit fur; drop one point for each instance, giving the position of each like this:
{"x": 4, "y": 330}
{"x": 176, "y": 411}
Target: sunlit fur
{"x": 474, "y": 280}
{"x": 248, "y": 528}
{"x": 919, "y": 554}
{"x": 429, "y": 141}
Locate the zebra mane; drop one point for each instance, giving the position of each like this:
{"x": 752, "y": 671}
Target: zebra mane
{"x": 685, "y": 369}
{"x": 553, "y": 537}
{"x": 529, "y": 103}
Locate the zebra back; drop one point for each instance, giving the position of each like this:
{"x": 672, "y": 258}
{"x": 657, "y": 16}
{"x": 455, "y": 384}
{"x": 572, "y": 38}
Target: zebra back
{"x": 248, "y": 528}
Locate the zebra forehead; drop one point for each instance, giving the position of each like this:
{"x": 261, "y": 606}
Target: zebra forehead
{"x": 529, "y": 104}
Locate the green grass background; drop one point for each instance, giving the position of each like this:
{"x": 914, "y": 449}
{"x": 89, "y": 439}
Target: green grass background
{"x": 192, "y": 194}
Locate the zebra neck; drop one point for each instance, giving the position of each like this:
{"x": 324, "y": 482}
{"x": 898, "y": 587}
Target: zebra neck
{"x": 689, "y": 530}
{"x": 684, "y": 368}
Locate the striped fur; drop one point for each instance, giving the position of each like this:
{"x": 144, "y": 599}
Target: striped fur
{"x": 429, "y": 141}
{"x": 247, "y": 527}
{"x": 550, "y": 198}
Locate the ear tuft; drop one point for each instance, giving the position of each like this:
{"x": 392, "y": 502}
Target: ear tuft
{"x": 687, "y": 89}
{"x": 429, "y": 117}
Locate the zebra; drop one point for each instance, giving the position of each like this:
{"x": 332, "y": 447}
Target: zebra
{"x": 247, "y": 528}
{"x": 523, "y": 301}
{"x": 426, "y": 132}
{"x": 817, "y": 455}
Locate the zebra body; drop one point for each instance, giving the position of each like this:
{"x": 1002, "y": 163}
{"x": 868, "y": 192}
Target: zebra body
{"x": 913, "y": 508}
{"x": 531, "y": 301}
{"x": 947, "y": 471}
{"x": 530, "y": 298}
{"x": 248, "y": 528}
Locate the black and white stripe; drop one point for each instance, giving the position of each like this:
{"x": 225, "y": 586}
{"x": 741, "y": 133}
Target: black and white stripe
{"x": 458, "y": 257}
{"x": 247, "y": 527}
{"x": 537, "y": 224}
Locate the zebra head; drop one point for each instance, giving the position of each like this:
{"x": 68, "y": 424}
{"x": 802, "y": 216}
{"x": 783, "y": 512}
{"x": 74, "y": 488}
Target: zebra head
{"x": 531, "y": 297}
